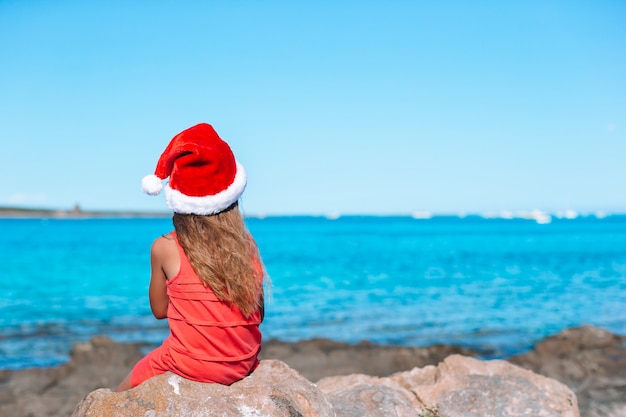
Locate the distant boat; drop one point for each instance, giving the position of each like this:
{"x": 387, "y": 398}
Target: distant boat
{"x": 421, "y": 215}
{"x": 333, "y": 215}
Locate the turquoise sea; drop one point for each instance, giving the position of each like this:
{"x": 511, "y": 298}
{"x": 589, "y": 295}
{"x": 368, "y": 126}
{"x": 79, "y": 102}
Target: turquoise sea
{"x": 492, "y": 284}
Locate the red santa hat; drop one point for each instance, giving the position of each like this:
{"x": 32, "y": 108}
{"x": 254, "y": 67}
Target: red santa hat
{"x": 204, "y": 177}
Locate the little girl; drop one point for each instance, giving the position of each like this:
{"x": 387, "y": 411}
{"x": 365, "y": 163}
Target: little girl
{"x": 207, "y": 275}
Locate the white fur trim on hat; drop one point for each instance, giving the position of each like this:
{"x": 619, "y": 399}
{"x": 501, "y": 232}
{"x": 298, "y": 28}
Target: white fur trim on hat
{"x": 151, "y": 184}
{"x": 206, "y": 205}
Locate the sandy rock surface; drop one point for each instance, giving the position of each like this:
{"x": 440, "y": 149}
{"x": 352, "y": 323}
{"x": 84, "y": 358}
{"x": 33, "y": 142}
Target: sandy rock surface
{"x": 460, "y": 386}
{"x": 274, "y": 389}
{"x": 467, "y": 387}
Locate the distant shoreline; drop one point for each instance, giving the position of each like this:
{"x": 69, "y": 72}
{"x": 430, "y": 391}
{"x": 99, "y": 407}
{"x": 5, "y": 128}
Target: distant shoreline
{"x": 75, "y": 213}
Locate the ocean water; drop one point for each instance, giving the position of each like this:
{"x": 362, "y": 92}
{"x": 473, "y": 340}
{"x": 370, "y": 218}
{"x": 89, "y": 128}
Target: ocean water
{"x": 495, "y": 285}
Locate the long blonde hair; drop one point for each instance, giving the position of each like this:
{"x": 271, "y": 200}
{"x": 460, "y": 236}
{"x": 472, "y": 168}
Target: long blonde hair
{"x": 224, "y": 255}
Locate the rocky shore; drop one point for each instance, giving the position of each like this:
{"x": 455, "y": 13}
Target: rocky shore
{"x": 588, "y": 360}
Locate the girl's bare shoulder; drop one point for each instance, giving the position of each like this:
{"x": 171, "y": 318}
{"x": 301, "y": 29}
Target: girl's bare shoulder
{"x": 163, "y": 244}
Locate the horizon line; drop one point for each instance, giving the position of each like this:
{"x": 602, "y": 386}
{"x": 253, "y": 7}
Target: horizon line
{"x": 540, "y": 216}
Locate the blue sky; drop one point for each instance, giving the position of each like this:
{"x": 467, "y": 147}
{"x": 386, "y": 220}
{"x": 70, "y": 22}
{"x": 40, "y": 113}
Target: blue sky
{"x": 361, "y": 107}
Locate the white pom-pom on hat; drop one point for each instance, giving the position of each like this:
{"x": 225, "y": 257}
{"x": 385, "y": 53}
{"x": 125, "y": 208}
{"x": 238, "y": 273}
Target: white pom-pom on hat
{"x": 151, "y": 184}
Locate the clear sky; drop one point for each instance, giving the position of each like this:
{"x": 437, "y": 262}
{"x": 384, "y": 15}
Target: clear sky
{"x": 360, "y": 107}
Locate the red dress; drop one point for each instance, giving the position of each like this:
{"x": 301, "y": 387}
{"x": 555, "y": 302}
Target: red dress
{"x": 209, "y": 341}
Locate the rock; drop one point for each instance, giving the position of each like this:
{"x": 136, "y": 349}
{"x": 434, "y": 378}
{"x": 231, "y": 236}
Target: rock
{"x": 463, "y": 386}
{"x": 363, "y": 395}
{"x": 459, "y": 386}
{"x": 319, "y": 358}
{"x": 590, "y": 361}
{"x": 273, "y": 389}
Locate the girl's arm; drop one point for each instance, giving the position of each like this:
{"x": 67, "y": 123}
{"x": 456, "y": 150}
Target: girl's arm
{"x": 160, "y": 254}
